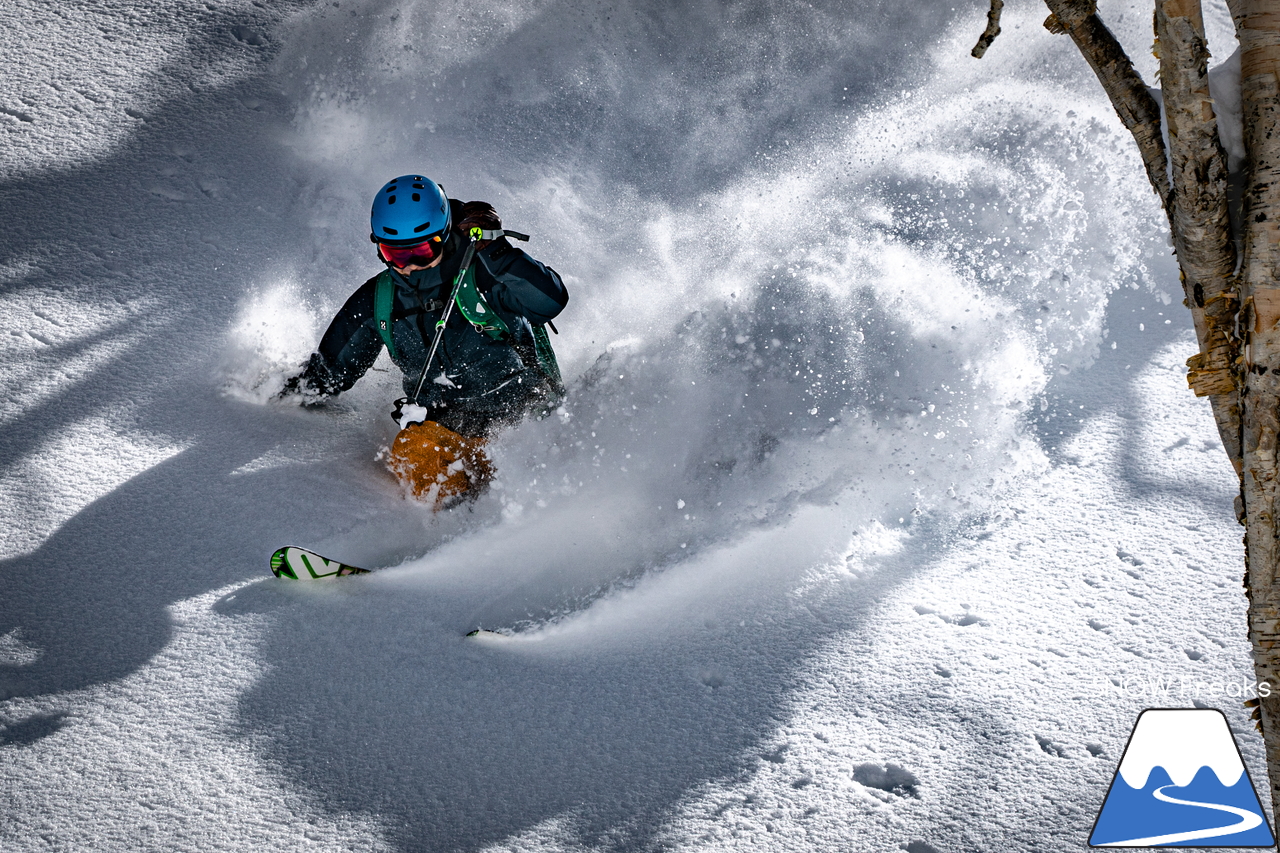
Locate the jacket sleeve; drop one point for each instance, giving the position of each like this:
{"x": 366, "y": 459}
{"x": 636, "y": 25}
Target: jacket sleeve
{"x": 523, "y": 286}
{"x": 349, "y": 347}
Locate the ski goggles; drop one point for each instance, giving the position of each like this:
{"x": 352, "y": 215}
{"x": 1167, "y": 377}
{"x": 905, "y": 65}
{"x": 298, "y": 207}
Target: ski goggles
{"x": 418, "y": 254}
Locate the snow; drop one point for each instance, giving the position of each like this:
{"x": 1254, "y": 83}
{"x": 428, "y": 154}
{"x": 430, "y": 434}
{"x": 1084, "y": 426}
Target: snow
{"x": 877, "y": 512}
{"x": 1224, "y": 87}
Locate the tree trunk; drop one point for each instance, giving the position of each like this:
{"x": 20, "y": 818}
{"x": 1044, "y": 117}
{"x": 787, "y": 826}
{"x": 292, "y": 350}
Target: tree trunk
{"x": 1198, "y": 216}
{"x": 1258, "y": 29}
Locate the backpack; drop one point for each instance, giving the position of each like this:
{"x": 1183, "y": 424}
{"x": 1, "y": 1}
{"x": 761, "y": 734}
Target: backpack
{"x": 476, "y": 311}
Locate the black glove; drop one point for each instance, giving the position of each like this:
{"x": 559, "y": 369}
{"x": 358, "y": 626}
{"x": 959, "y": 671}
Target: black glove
{"x": 300, "y": 386}
{"x": 292, "y": 385}
{"x": 480, "y": 214}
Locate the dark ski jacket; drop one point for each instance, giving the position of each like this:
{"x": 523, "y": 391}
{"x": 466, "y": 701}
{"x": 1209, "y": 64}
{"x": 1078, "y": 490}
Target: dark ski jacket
{"x": 474, "y": 380}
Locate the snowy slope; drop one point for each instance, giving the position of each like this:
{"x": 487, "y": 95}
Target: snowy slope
{"x": 878, "y": 511}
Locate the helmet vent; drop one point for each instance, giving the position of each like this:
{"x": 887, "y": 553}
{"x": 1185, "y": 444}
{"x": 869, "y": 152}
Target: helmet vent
{"x": 419, "y": 187}
{"x": 423, "y": 227}
{"x": 417, "y": 197}
{"x": 390, "y": 230}
{"x": 391, "y": 188}
{"x": 391, "y": 200}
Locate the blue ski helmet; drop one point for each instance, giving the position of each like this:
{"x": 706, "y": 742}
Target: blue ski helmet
{"x": 408, "y": 210}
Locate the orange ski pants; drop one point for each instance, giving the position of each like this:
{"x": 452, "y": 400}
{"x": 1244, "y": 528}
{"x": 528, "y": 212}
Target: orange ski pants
{"x": 437, "y": 464}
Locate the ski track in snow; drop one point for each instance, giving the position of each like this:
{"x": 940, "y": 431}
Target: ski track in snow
{"x": 877, "y": 513}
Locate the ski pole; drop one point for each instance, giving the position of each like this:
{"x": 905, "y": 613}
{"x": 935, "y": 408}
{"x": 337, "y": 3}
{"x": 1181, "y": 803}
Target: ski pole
{"x": 467, "y": 257}
{"x": 475, "y": 235}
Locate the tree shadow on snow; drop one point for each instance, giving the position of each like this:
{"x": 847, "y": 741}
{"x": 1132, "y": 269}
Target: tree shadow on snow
{"x": 92, "y": 598}
{"x": 1111, "y": 385}
{"x": 129, "y": 301}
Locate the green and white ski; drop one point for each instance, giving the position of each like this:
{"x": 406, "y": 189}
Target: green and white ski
{"x": 301, "y": 564}
{"x": 486, "y": 634}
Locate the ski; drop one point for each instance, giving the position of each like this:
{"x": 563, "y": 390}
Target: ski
{"x": 486, "y": 634}
{"x": 301, "y": 564}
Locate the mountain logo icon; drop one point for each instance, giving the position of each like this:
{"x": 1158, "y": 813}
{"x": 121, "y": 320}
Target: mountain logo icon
{"x": 1181, "y": 783}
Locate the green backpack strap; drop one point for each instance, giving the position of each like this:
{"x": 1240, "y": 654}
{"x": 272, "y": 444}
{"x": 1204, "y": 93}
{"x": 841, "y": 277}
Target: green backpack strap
{"x": 547, "y": 359}
{"x": 477, "y": 311}
{"x": 384, "y": 297}
{"x": 480, "y": 314}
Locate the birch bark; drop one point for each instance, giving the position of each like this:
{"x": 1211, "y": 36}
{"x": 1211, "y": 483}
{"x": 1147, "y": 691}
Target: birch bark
{"x": 1197, "y": 210}
{"x": 1258, "y": 29}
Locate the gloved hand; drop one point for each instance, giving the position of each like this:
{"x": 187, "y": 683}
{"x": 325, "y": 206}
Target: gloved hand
{"x": 482, "y": 215}
{"x": 298, "y": 386}
{"x": 405, "y": 413}
{"x": 292, "y": 385}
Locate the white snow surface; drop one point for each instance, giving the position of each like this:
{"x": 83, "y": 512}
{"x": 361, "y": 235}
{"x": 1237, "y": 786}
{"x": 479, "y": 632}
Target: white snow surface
{"x": 877, "y": 511}
{"x": 1181, "y": 742}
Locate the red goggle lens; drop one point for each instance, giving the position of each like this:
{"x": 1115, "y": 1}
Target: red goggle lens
{"x": 419, "y": 254}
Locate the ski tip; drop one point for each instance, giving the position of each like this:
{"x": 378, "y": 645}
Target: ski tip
{"x": 300, "y": 564}
{"x": 280, "y": 566}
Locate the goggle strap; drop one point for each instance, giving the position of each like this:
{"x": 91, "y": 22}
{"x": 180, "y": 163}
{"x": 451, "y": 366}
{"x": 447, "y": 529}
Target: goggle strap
{"x": 484, "y": 235}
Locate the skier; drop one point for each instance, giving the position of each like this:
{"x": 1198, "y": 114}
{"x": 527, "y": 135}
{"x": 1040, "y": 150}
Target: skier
{"x": 493, "y": 363}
